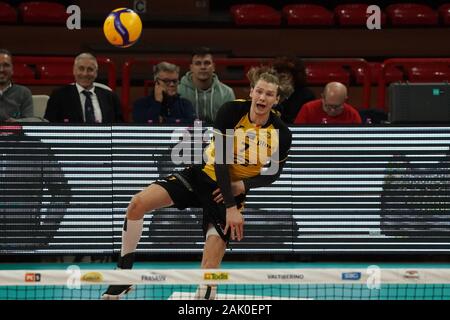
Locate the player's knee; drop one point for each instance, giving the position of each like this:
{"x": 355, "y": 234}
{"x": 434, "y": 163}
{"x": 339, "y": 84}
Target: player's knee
{"x": 210, "y": 264}
{"x": 136, "y": 209}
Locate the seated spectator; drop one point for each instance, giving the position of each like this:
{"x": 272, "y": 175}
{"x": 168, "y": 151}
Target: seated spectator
{"x": 202, "y": 87}
{"x": 83, "y": 102}
{"x": 16, "y": 103}
{"x": 164, "y": 104}
{"x": 373, "y": 116}
{"x": 294, "y": 69}
{"x": 331, "y": 109}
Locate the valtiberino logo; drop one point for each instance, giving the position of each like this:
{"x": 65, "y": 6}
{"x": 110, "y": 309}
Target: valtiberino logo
{"x": 92, "y": 277}
{"x": 153, "y": 277}
{"x": 351, "y": 275}
{"x": 216, "y": 276}
{"x": 411, "y": 274}
{"x": 286, "y": 276}
{"x": 32, "y": 277}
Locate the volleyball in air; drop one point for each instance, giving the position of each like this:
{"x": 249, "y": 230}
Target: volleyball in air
{"x": 122, "y": 27}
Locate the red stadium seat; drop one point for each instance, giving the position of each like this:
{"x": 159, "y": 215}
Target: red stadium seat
{"x": 411, "y": 14}
{"x": 444, "y": 13}
{"x": 62, "y": 72}
{"x": 392, "y": 74}
{"x": 7, "y": 13}
{"x": 321, "y": 74}
{"x": 43, "y": 13}
{"x": 255, "y": 15}
{"x": 307, "y": 15}
{"x": 22, "y": 73}
{"x": 428, "y": 73}
{"x": 354, "y": 14}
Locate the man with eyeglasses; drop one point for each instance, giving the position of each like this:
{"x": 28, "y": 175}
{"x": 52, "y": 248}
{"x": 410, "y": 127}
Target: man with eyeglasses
{"x": 164, "y": 104}
{"x": 202, "y": 87}
{"x": 16, "y": 103}
{"x": 330, "y": 109}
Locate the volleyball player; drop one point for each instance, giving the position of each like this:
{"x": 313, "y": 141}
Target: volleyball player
{"x": 218, "y": 187}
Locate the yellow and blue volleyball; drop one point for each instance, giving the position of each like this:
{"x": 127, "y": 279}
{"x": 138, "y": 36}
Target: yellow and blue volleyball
{"x": 122, "y": 27}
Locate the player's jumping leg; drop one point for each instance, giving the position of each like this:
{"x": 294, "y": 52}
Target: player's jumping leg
{"x": 213, "y": 253}
{"x": 151, "y": 198}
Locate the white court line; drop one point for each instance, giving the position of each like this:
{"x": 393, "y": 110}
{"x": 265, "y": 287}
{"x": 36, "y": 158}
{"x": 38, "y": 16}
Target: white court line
{"x": 220, "y": 296}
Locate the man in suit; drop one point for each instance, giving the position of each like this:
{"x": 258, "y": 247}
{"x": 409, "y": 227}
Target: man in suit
{"x": 83, "y": 102}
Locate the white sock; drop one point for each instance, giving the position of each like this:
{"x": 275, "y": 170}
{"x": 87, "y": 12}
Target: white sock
{"x": 131, "y": 234}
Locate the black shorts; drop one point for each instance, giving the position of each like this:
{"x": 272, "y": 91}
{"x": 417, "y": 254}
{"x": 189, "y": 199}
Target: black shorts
{"x": 192, "y": 188}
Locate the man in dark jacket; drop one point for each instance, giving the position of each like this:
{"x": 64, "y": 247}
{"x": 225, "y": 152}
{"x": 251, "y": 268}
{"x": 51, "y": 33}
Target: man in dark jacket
{"x": 164, "y": 104}
{"x": 83, "y": 102}
{"x": 292, "y": 68}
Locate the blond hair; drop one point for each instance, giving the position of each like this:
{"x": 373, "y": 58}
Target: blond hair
{"x": 270, "y": 75}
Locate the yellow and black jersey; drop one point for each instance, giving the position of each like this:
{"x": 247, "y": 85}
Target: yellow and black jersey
{"x": 252, "y": 148}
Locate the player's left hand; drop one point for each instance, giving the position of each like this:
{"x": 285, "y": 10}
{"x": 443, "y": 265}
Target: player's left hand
{"x": 237, "y": 188}
{"x": 234, "y": 222}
